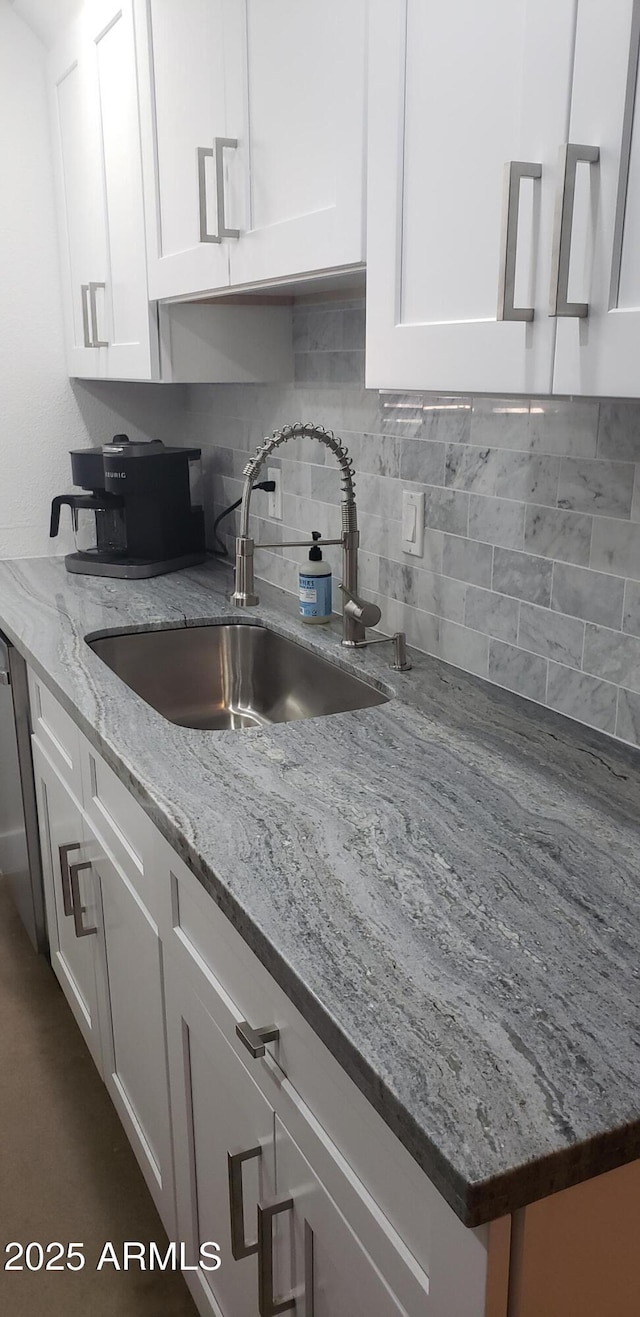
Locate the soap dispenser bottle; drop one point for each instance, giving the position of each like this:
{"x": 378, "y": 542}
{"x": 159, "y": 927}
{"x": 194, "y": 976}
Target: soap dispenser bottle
{"x": 314, "y": 586}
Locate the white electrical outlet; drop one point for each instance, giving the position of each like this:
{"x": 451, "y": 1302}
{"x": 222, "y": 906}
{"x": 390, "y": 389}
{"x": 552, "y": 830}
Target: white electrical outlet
{"x": 412, "y": 523}
{"x": 274, "y": 505}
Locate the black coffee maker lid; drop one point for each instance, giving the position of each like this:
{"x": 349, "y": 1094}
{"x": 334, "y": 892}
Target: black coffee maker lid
{"x": 122, "y": 441}
{"x": 121, "y": 444}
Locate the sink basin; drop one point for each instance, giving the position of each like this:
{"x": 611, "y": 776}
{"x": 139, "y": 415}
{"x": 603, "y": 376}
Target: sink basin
{"x": 231, "y": 675}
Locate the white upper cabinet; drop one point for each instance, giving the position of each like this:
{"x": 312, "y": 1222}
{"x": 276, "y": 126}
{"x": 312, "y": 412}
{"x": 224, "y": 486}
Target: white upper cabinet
{"x": 99, "y": 180}
{"x": 504, "y": 197}
{"x": 253, "y": 140}
{"x": 296, "y": 108}
{"x": 456, "y": 93}
{"x": 183, "y": 116}
{"x": 598, "y": 352}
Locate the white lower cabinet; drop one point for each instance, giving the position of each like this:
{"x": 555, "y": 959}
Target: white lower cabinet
{"x": 73, "y": 955}
{"x": 321, "y": 1260}
{"x": 107, "y": 956}
{"x": 243, "y": 1182}
{"x": 223, "y": 1134}
{"x": 134, "y": 1051}
{"x": 274, "y": 1156}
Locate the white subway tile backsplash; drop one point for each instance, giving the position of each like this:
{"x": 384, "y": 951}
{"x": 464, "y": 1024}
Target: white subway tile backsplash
{"x": 628, "y": 724}
{"x": 593, "y": 596}
{"x": 558, "y": 534}
{"x": 552, "y": 635}
{"x": 610, "y": 655}
{"x": 631, "y": 615}
{"x": 493, "y": 613}
{"x": 616, "y": 547}
{"x": 601, "y": 487}
{"x": 496, "y": 520}
{"x": 446, "y": 419}
{"x": 466, "y": 560}
{"x": 531, "y": 566}
{"x": 518, "y": 671}
{"x": 569, "y": 428}
{"x": 527, "y": 476}
{"x": 471, "y": 468}
{"x": 619, "y": 431}
{"x": 522, "y": 575}
{"x": 582, "y": 697}
{"x": 422, "y": 462}
{"x": 447, "y": 510}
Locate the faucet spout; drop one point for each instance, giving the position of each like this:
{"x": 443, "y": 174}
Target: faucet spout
{"x": 244, "y": 595}
{"x": 357, "y": 614}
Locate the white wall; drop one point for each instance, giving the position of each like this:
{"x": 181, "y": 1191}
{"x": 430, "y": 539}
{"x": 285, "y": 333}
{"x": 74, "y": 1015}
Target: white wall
{"x": 42, "y": 413}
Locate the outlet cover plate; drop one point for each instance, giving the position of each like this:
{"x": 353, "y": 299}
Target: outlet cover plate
{"x": 412, "y": 523}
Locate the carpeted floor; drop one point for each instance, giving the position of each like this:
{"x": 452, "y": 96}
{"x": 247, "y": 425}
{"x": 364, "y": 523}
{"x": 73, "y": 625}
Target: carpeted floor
{"x": 67, "y": 1172}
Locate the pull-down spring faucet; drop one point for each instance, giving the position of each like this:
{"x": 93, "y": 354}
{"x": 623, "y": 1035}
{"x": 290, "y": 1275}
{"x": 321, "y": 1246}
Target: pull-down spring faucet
{"x": 357, "y": 614}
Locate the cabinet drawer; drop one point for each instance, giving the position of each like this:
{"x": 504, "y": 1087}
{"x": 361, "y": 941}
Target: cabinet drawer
{"x": 323, "y": 1108}
{"x": 57, "y": 732}
{"x": 121, "y": 824}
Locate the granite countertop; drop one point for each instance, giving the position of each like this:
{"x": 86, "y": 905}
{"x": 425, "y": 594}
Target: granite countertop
{"x": 448, "y": 882}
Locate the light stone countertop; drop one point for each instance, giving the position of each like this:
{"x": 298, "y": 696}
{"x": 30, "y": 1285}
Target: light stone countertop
{"x": 447, "y": 886}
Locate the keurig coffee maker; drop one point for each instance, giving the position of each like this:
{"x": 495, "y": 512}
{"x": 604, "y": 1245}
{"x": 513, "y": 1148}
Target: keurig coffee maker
{"x": 147, "y": 507}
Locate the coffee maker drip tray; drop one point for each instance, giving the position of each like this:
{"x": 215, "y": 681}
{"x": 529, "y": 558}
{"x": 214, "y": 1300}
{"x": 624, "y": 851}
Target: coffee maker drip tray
{"x": 91, "y": 562}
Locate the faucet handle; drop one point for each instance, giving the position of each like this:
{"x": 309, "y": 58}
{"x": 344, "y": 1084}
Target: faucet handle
{"x": 368, "y": 614}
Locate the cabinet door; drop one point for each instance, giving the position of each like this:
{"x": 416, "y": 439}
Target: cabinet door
{"x": 134, "y": 1048}
{"x": 597, "y": 353}
{"x": 296, "y": 97}
{"x": 73, "y": 938}
{"x": 80, "y": 196}
{"x": 128, "y": 324}
{"x": 218, "y": 1112}
{"x": 110, "y": 332}
{"x": 312, "y": 1249}
{"x": 183, "y": 112}
{"x": 456, "y": 92}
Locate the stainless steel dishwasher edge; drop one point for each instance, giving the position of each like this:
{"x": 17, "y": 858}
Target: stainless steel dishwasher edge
{"x": 20, "y": 861}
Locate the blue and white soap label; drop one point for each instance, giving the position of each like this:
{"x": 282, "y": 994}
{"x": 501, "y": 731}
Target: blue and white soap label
{"x": 315, "y": 595}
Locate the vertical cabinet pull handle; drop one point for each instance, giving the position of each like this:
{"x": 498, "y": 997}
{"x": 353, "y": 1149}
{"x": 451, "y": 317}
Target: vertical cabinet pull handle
{"x": 220, "y": 143}
{"x": 84, "y": 293}
{"x": 570, "y": 156}
{"x": 95, "y": 341}
{"x": 239, "y": 1247}
{"x": 267, "y": 1304}
{"x": 205, "y": 153}
{"x": 76, "y": 899}
{"x": 515, "y": 171}
{"x": 65, "y": 881}
{"x": 309, "y": 1277}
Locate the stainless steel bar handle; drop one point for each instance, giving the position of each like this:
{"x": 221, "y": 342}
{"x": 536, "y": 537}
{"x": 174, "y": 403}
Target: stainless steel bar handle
{"x": 239, "y": 1247}
{"x": 570, "y": 156}
{"x": 309, "y": 1272}
{"x": 255, "y": 1039}
{"x": 84, "y": 293}
{"x": 267, "y": 1304}
{"x": 93, "y": 309}
{"x": 78, "y": 908}
{"x": 65, "y": 880}
{"x": 220, "y": 144}
{"x": 514, "y": 172}
{"x": 203, "y": 154}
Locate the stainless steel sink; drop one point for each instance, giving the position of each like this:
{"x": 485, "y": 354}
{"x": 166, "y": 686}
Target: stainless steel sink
{"x": 231, "y": 675}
